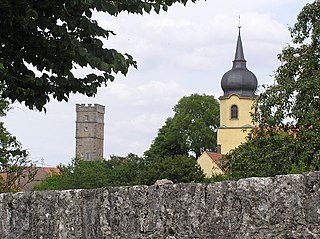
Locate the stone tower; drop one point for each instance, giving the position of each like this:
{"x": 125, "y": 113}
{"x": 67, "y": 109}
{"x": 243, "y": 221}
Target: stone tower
{"x": 239, "y": 86}
{"x": 89, "y": 131}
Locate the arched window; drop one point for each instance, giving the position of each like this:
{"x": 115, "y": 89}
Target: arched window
{"x": 234, "y": 112}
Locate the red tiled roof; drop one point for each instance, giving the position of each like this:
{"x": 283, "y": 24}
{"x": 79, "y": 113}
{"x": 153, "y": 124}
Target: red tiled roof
{"x": 3, "y": 176}
{"x": 216, "y": 157}
{"x": 50, "y": 170}
{"x": 42, "y": 172}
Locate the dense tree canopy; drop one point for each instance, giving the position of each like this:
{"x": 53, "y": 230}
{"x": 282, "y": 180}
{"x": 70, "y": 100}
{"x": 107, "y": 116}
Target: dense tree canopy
{"x": 294, "y": 99}
{"x": 191, "y": 130}
{"x": 288, "y": 112}
{"x": 293, "y": 103}
{"x": 55, "y": 37}
{"x": 267, "y": 153}
{"x": 122, "y": 171}
{"x": 180, "y": 169}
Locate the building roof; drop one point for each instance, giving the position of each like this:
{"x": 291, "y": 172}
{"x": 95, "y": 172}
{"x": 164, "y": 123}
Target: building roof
{"x": 42, "y": 172}
{"x": 239, "y": 80}
{"x": 216, "y": 157}
{"x": 50, "y": 170}
{"x": 3, "y": 176}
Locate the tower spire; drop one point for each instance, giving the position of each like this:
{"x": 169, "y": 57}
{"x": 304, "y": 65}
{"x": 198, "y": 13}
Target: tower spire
{"x": 239, "y": 80}
{"x": 239, "y": 61}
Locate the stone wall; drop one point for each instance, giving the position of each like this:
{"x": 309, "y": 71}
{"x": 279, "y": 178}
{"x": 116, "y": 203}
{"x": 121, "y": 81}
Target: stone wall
{"x": 279, "y": 207}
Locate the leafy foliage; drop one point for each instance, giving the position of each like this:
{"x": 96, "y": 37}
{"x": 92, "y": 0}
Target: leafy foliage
{"x": 180, "y": 169}
{"x": 170, "y": 141}
{"x": 295, "y": 96}
{"x": 122, "y": 171}
{"x": 77, "y": 174}
{"x": 55, "y": 37}
{"x": 15, "y": 167}
{"x": 288, "y": 140}
{"x": 191, "y": 130}
{"x": 267, "y": 153}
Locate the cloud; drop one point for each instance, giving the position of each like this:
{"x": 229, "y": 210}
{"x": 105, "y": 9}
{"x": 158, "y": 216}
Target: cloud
{"x": 188, "y": 43}
{"x": 152, "y": 93}
{"x": 143, "y": 123}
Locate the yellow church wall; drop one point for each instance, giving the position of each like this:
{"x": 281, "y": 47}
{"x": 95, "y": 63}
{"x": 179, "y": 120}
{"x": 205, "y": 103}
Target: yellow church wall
{"x": 230, "y": 138}
{"x": 208, "y": 166}
{"x": 233, "y": 132}
{"x": 244, "y": 108}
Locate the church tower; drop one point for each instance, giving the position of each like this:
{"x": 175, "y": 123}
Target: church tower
{"x": 239, "y": 86}
{"x": 89, "y": 131}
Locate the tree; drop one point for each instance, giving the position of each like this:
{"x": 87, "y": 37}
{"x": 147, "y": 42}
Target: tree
{"x": 56, "y": 37}
{"x": 15, "y": 167}
{"x": 170, "y": 141}
{"x": 295, "y": 95}
{"x": 191, "y": 130}
{"x": 122, "y": 171}
{"x": 75, "y": 175}
{"x": 293, "y": 102}
{"x": 180, "y": 169}
{"x": 288, "y": 138}
{"x": 266, "y": 153}
{"x": 118, "y": 171}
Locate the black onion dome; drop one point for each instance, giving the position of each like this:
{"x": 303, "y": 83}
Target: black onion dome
{"x": 239, "y": 80}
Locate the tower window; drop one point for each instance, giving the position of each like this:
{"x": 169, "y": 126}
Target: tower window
{"x": 88, "y": 156}
{"x": 234, "y": 112}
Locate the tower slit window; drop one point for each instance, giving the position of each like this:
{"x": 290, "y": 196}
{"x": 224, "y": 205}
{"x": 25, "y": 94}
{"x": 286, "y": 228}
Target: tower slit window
{"x": 234, "y": 112}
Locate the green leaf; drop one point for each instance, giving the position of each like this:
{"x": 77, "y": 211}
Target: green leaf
{"x": 73, "y": 3}
{"x": 147, "y": 7}
{"x": 88, "y": 13}
{"x": 156, "y": 7}
{"x": 104, "y": 67}
{"x": 165, "y": 7}
{"x": 82, "y": 51}
{"x": 39, "y": 81}
{"x": 31, "y": 14}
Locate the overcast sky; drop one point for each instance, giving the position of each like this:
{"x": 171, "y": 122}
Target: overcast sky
{"x": 183, "y": 51}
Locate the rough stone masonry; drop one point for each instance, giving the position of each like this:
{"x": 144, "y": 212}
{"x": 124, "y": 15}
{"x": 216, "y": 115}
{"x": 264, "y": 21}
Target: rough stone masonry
{"x": 279, "y": 207}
